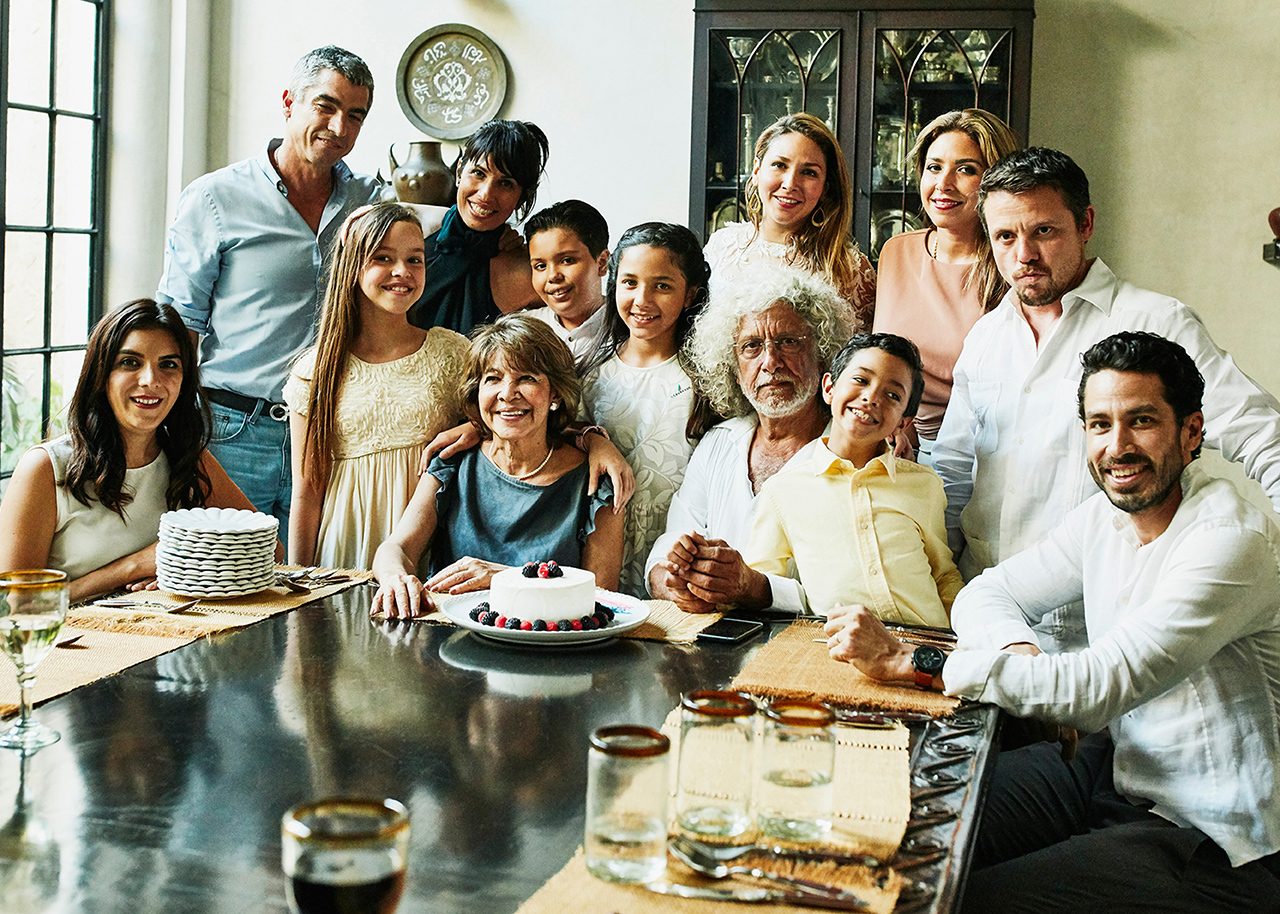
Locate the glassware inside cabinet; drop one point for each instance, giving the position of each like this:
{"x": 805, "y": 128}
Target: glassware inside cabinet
{"x": 921, "y": 74}
{"x": 758, "y": 76}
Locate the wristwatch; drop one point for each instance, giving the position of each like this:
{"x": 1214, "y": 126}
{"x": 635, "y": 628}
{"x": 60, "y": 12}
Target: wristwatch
{"x": 927, "y": 662}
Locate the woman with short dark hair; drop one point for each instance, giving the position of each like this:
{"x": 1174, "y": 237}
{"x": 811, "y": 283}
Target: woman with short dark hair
{"x": 476, "y": 266}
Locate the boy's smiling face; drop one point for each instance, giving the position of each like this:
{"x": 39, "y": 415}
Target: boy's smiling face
{"x": 868, "y": 403}
{"x": 565, "y": 275}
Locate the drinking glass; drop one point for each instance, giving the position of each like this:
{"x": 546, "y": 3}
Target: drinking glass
{"x": 345, "y": 855}
{"x": 33, "y": 606}
{"x": 797, "y": 761}
{"x": 627, "y": 785}
{"x": 717, "y": 742}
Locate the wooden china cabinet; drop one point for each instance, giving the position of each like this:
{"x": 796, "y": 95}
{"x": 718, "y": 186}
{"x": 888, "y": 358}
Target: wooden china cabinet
{"x": 874, "y": 70}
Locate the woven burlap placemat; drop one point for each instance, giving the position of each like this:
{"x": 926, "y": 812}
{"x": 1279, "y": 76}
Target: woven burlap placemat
{"x": 143, "y": 617}
{"x": 871, "y": 786}
{"x": 794, "y": 665}
{"x": 576, "y": 890}
{"x": 94, "y": 656}
{"x": 872, "y": 798}
{"x": 116, "y": 638}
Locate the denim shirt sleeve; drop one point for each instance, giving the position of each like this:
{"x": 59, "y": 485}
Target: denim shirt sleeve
{"x": 192, "y": 258}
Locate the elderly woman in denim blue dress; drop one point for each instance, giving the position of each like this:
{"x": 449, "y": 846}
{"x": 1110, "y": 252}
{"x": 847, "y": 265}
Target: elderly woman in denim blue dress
{"x": 519, "y": 497}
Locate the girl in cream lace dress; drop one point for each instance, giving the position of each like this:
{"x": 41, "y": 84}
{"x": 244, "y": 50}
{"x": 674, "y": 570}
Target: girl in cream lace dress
{"x": 368, "y": 396}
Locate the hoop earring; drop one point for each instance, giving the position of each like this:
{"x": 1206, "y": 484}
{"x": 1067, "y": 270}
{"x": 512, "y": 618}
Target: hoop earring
{"x": 814, "y": 219}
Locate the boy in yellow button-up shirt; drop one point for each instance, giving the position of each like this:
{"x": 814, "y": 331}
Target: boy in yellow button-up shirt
{"x": 861, "y": 526}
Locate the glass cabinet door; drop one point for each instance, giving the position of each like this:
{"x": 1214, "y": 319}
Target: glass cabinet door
{"x": 756, "y": 77}
{"x": 920, "y": 74}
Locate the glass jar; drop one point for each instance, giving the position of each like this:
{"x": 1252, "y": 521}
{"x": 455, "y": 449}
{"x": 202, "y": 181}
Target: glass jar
{"x": 794, "y": 801}
{"x": 717, "y": 742}
{"x": 627, "y": 784}
{"x": 345, "y": 854}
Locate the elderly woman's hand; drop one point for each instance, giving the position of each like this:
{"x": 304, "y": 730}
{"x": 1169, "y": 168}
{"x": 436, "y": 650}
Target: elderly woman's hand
{"x": 464, "y": 575}
{"x": 401, "y": 597}
{"x": 856, "y": 636}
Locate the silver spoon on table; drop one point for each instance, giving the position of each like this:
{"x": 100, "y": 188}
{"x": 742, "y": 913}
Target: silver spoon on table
{"x": 702, "y": 858}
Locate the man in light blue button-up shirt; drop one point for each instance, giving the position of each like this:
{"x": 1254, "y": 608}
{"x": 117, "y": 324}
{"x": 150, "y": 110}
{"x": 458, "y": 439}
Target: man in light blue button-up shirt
{"x": 245, "y": 264}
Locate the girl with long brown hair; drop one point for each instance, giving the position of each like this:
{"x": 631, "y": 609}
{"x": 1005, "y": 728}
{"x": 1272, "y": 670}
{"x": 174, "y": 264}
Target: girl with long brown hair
{"x": 371, "y": 392}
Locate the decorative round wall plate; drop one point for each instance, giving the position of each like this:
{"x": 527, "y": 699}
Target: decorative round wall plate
{"x": 451, "y": 79}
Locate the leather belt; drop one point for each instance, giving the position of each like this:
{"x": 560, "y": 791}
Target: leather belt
{"x": 250, "y": 405}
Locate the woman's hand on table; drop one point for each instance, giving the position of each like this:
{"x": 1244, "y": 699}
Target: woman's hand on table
{"x": 464, "y": 575}
{"x": 856, "y": 636}
{"x": 449, "y": 443}
{"x": 401, "y": 597}
{"x": 144, "y": 584}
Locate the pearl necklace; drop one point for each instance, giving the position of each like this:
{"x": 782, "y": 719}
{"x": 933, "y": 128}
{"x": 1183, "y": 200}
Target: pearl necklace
{"x": 536, "y": 470}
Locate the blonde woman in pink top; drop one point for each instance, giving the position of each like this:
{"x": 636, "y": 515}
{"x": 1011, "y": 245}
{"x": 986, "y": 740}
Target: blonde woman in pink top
{"x": 934, "y": 284}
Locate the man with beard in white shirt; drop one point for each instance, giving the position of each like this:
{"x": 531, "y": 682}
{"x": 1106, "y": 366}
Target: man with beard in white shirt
{"x": 1170, "y": 802}
{"x": 1008, "y": 450}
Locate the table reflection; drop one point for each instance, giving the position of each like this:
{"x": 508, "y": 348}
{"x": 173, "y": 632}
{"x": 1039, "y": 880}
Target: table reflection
{"x": 166, "y": 792}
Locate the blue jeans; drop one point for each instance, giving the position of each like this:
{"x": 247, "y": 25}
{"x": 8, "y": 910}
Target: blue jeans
{"x": 254, "y": 450}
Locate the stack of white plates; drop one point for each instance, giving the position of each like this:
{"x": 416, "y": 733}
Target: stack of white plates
{"x": 216, "y": 552}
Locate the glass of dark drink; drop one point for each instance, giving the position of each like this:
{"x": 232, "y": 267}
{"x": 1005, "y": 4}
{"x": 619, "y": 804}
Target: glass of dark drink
{"x": 345, "y": 855}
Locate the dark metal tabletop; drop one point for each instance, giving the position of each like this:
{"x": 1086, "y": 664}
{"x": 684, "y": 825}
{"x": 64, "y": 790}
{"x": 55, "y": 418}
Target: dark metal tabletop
{"x": 166, "y": 790}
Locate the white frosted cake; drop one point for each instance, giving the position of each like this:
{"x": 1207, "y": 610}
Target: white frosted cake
{"x": 569, "y": 596}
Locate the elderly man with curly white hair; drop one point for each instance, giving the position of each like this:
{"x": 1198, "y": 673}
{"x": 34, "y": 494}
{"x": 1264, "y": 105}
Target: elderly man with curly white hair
{"x": 758, "y": 350}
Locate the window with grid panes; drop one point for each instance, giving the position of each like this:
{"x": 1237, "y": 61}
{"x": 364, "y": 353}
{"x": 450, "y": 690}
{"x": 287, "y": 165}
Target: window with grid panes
{"x": 52, "y": 151}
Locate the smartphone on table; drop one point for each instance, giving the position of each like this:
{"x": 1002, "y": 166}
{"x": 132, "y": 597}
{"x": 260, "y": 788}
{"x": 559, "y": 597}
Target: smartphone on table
{"x": 730, "y": 630}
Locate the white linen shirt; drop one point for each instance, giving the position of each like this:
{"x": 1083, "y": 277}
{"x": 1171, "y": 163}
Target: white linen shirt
{"x": 1011, "y": 448}
{"x": 1183, "y": 661}
{"x": 715, "y": 500}
{"x": 585, "y": 339}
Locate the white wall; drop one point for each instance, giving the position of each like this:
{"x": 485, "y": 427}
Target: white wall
{"x": 608, "y": 82}
{"x": 1169, "y": 105}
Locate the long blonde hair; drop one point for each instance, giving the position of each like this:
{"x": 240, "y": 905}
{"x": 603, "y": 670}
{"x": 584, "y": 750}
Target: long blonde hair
{"x": 822, "y": 244}
{"x": 339, "y": 326}
{"x": 995, "y": 139}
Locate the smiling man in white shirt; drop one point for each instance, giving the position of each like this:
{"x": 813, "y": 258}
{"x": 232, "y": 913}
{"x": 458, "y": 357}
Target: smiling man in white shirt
{"x": 1171, "y": 803}
{"x": 1008, "y": 450}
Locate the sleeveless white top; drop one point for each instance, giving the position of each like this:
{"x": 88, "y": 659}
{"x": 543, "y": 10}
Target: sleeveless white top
{"x": 89, "y": 536}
